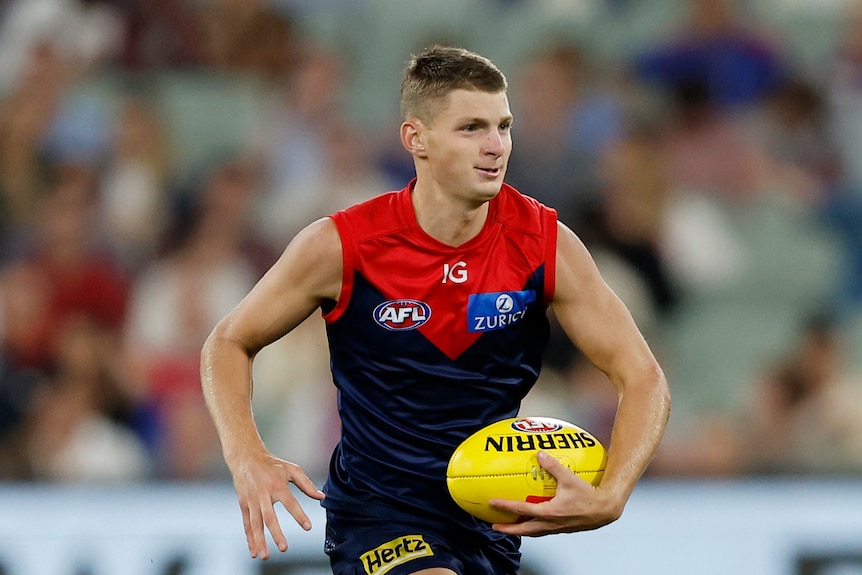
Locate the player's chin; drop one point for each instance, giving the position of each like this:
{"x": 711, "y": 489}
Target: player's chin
{"x": 489, "y": 188}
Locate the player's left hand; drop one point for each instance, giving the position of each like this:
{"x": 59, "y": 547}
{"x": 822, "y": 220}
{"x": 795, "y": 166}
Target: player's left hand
{"x": 577, "y": 506}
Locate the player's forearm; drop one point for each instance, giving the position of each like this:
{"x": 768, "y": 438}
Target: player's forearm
{"x": 640, "y": 423}
{"x": 227, "y": 388}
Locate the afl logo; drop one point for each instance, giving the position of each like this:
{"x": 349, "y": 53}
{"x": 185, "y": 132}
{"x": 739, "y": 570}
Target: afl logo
{"x": 402, "y": 314}
{"x": 533, "y": 425}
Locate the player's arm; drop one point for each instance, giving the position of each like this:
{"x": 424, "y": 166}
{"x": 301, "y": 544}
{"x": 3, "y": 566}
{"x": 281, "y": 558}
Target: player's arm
{"x": 600, "y": 325}
{"x": 307, "y": 275}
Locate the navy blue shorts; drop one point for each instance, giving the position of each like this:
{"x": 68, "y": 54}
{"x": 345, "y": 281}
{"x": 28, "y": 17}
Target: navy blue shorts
{"x": 397, "y": 546}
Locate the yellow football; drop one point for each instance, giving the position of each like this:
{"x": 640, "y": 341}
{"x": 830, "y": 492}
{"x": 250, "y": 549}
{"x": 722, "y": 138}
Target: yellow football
{"x": 499, "y": 462}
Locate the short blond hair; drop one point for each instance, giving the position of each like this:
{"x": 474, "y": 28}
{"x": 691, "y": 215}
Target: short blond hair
{"x": 431, "y": 75}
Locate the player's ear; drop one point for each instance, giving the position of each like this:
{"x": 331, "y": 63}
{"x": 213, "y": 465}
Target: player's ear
{"x": 412, "y": 137}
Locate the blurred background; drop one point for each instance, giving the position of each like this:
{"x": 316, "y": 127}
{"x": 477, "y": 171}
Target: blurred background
{"x": 157, "y": 155}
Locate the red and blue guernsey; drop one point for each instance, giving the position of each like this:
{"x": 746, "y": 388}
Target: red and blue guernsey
{"x": 429, "y": 343}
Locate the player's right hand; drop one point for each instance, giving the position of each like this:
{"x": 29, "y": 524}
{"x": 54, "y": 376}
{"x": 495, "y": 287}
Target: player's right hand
{"x": 261, "y": 481}
{"x": 576, "y": 506}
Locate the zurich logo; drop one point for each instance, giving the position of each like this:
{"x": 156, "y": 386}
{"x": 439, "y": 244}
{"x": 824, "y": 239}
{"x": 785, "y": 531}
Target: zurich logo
{"x": 497, "y": 310}
{"x": 505, "y": 303}
{"x": 402, "y": 314}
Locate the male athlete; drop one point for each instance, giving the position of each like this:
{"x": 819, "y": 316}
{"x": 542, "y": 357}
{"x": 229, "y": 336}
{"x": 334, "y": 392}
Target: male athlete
{"x": 435, "y": 301}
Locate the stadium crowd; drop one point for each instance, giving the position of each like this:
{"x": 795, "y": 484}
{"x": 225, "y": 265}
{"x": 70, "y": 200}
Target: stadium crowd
{"x": 156, "y": 156}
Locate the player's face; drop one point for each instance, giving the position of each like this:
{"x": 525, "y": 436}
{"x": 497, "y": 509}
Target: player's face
{"x": 469, "y": 144}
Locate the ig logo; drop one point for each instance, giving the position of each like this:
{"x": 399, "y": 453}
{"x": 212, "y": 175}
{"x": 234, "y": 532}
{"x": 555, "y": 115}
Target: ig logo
{"x": 455, "y": 273}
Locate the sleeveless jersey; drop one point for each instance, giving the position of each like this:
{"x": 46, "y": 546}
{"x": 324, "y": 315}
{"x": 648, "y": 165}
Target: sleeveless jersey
{"x": 429, "y": 343}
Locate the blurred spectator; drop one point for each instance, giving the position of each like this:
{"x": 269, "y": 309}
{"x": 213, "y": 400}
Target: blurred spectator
{"x": 26, "y": 117}
{"x": 134, "y": 193}
{"x": 175, "y": 302}
{"x": 18, "y": 389}
{"x": 352, "y": 175}
{"x": 803, "y": 416}
{"x": 709, "y": 152}
{"x": 88, "y": 33}
{"x": 563, "y": 122}
{"x": 844, "y": 97}
{"x": 703, "y": 446}
{"x": 716, "y": 66}
{"x": 717, "y": 52}
{"x": 63, "y": 305}
{"x": 163, "y": 35}
{"x": 228, "y": 25}
{"x": 790, "y": 128}
{"x": 25, "y": 318}
{"x": 65, "y": 272}
{"x": 844, "y": 93}
{"x": 631, "y": 218}
{"x": 291, "y": 141}
{"x": 256, "y": 40}
{"x": 48, "y": 118}
{"x": 806, "y": 412}
{"x": 80, "y": 425}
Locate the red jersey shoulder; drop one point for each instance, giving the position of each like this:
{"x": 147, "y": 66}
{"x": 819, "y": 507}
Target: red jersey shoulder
{"x": 376, "y": 216}
{"x": 521, "y": 213}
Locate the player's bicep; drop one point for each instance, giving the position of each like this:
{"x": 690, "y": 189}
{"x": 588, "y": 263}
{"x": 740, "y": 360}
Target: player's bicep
{"x": 591, "y": 314}
{"x": 306, "y": 276}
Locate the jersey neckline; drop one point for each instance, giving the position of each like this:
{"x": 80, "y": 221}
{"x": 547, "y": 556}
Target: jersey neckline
{"x": 408, "y": 213}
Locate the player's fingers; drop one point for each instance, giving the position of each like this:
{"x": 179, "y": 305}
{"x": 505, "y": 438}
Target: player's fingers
{"x": 306, "y": 485}
{"x": 564, "y": 476}
{"x": 253, "y": 523}
{"x": 249, "y": 534}
{"x": 295, "y": 509}
{"x": 529, "y": 514}
{"x": 530, "y": 528}
{"x": 270, "y": 519}
{"x": 521, "y": 508}
{"x": 552, "y": 465}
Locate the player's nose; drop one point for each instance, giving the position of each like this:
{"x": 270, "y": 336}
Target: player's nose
{"x": 495, "y": 143}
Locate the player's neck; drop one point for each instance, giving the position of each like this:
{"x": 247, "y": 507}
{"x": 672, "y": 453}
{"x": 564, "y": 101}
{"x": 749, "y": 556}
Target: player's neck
{"x": 449, "y": 220}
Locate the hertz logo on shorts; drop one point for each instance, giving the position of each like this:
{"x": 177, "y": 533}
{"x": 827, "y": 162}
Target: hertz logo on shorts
{"x": 382, "y": 559}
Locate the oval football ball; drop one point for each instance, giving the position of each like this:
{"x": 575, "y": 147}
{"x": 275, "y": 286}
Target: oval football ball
{"x": 499, "y": 462}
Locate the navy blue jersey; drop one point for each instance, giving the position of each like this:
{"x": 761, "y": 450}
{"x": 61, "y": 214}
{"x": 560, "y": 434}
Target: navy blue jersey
{"x": 429, "y": 343}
